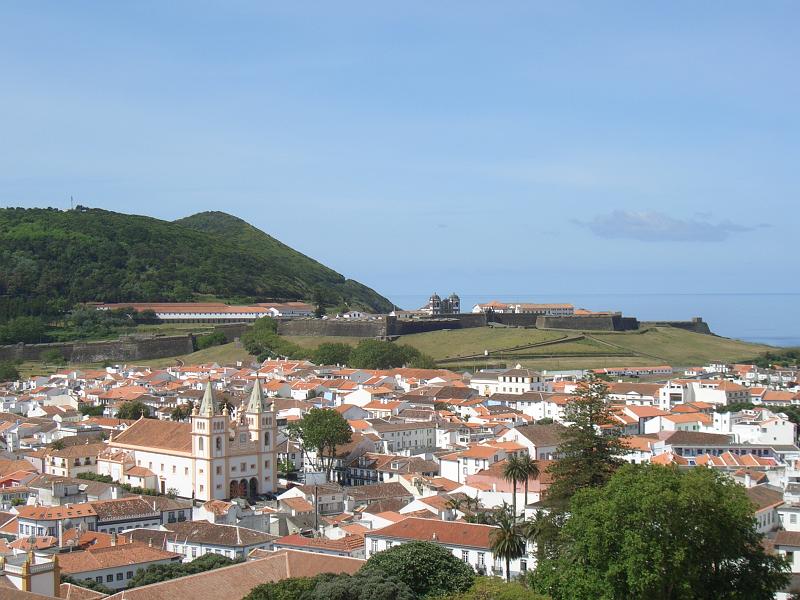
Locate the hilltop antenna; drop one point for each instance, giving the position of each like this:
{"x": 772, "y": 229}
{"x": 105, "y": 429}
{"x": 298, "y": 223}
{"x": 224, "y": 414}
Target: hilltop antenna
{"x": 71, "y": 203}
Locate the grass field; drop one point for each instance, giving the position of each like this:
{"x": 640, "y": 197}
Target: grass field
{"x": 676, "y": 347}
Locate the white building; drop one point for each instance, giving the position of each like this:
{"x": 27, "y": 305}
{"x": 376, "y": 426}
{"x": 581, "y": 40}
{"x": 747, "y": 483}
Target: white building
{"x": 468, "y": 542}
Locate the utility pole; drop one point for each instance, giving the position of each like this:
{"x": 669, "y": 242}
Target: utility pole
{"x": 316, "y": 510}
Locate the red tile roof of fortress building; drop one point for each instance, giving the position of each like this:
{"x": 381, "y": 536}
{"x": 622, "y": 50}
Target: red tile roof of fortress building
{"x": 207, "y": 307}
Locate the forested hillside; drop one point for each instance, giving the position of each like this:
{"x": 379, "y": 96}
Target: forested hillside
{"x": 51, "y": 259}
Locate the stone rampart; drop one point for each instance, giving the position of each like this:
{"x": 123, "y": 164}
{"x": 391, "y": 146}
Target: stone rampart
{"x": 124, "y": 349}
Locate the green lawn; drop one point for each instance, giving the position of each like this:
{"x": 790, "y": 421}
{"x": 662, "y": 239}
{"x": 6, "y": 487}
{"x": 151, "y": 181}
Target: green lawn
{"x": 685, "y": 348}
{"x": 460, "y": 342}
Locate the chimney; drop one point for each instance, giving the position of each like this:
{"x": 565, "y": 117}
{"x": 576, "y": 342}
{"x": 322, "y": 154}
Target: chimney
{"x": 114, "y": 539}
{"x": 150, "y": 542}
{"x": 434, "y": 537}
{"x": 747, "y": 480}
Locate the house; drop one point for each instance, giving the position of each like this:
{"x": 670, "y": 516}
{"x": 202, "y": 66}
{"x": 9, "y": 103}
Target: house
{"x": 541, "y": 441}
{"x": 115, "y": 565}
{"x": 468, "y": 542}
{"x": 191, "y": 539}
{"x": 351, "y": 546}
{"x": 73, "y": 459}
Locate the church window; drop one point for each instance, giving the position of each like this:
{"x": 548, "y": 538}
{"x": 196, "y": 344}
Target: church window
{"x": 266, "y": 439}
{"x": 199, "y": 445}
{"x": 219, "y": 443}
{"x": 242, "y": 438}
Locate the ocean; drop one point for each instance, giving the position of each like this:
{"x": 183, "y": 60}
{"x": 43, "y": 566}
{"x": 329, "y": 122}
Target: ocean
{"x": 771, "y": 319}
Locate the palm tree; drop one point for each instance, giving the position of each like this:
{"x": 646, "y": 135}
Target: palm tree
{"x": 454, "y": 503}
{"x": 507, "y": 540}
{"x": 531, "y": 467}
{"x": 513, "y": 471}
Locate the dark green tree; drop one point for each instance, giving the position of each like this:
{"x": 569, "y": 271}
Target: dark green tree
{"x": 321, "y": 429}
{"x": 377, "y": 354}
{"x": 133, "y": 409}
{"x": 492, "y": 588}
{"x": 657, "y": 533}
{"x": 427, "y": 568}
{"x": 157, "y": 573}
{"x": 514, "y": 472}
{"x": 531, "y": 469}
{"x": 508, "y": 542}
{"x": 29, "y": 330}
{"x": 332, "y": 354}
{"x": 52, "y": 357}
{"x": 592, "y": 445}
{"x": 293, "y": 588}
{"x": 8, "y": 371}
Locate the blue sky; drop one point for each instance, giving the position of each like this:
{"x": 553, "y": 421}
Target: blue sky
{"x": 488, "y": 148}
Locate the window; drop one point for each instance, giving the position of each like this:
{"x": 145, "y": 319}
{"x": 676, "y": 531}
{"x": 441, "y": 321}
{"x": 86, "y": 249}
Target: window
{"x": 173, "y": 469}
{"x": 119, "y": 576}
{"x": 129, "y": 575}
{"x": 186, "y": 470}
{"x": 481, "y": 559}
{"x": 793, "y": 518}
{"x": 200, "y": 446}
{"x": 109, "y": 578}
{"x": 99, "y": 579}
{"x": 523, "y": 565}
{"x": 243, "y": 467}
{"x": 242, "y": 438}
{"x": 219, "y": 443}
{"x": 465, "y": 555}
{"x": 194, "y": 551}
{"x": 219, "y": 470}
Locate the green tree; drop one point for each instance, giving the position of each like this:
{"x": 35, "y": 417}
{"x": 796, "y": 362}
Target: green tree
{"x": 332, "y": 354}
{"x": 57, "y": 444}
{"x": 293, "y": 588}
{"x": 157, "y": 573}
{"x": 367, "y": 586}
{"x": 531, "y": 469}
{"x": 492, "y": 588}
{"x": 52, "y": 357}
{"x": 657, "y": 533}
{"x": 89, "y": 584}
{"x": 181, "y": 412}
{"x": 133, "y": 409}
{"x": 8, "y": 371}
{"x": 514, "y": 471}
{"x": 508, "y": 542}
{"x": 591, "y": 445}
{"x": 322, "y": 430}
{"x": 427, "y": 568}
{"x": 29, "y": 330}
{"x": 212, "y": 339}
{"x": 91, "y": 410}
{"x": 378, "y": 354}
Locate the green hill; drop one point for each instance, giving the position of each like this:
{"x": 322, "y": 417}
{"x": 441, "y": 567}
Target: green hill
{"x": 51, "y": 259}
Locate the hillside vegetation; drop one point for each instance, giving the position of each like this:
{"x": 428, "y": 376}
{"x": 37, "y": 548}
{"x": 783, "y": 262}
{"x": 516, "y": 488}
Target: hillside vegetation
{"x": 52, "y": 259}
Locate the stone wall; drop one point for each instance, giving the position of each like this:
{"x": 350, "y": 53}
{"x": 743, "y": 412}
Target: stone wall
{"x": 697, "y": 324}
{"x": 124, "y": 349}
{"x": 588, "y": 323}
{"x": 334, "y": 328}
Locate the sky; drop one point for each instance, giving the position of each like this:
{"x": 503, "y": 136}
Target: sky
{"x": 487, "y": 148}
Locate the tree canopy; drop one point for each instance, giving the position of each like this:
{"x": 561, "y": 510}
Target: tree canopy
{"x": 378, "y": 354}
{"x": 427, "y": 568}
{"x": 133, "y": 409}
{"x": 657, "y": 533}
{"x": 157, "y": 573}
{"x": 321, "y": 429}
{"x": 591, "y": 447}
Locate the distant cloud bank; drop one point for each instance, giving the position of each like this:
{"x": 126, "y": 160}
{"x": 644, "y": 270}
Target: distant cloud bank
{"x": 653, "y": 226}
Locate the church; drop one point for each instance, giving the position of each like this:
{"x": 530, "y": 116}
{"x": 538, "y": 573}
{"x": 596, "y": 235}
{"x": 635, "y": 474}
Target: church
{"x": 214, "y": 456}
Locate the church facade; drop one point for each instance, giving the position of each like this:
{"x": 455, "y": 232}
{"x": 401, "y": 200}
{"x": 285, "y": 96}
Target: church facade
{"x": 214, "y": 456}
